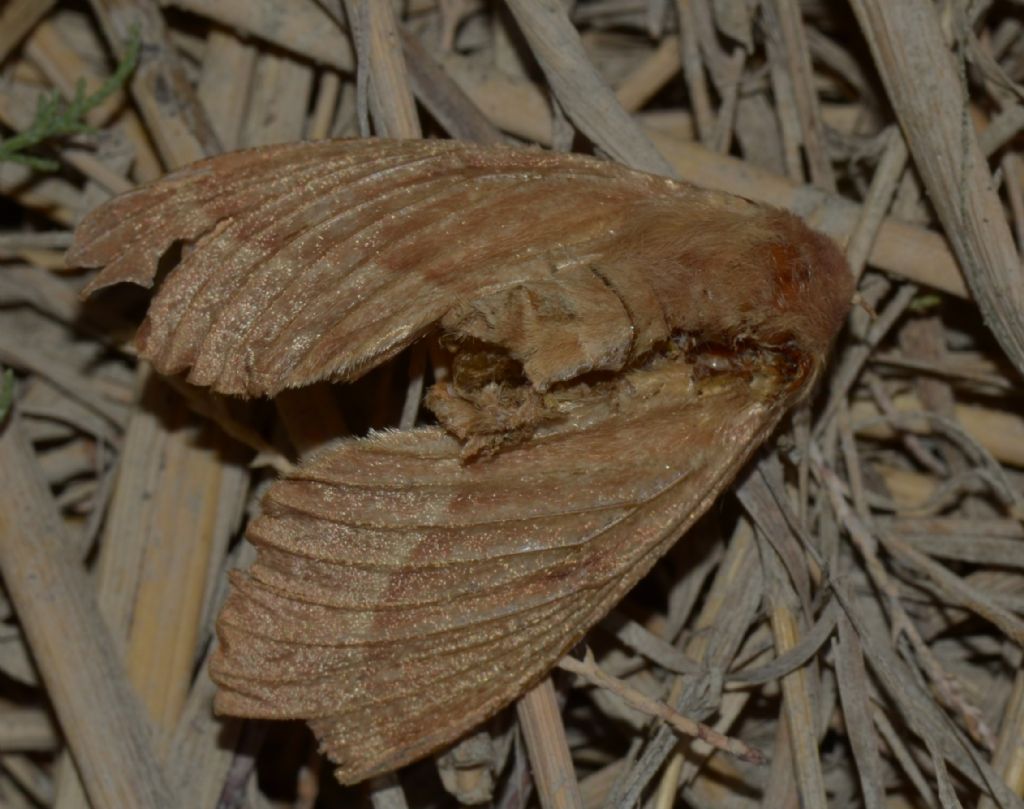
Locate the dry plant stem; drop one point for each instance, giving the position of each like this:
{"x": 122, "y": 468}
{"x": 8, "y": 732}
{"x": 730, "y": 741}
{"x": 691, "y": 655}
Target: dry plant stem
{"x": 309, "y": 32}
{"x": 876, "y": 203}
{"x": 88, "y": 390}
{"x": 783, "y": 93}
{"x": 693, "y": 69}
{"x": 306, "y": 29}
{"x": 898, "y": 748}
{"x": 649, "y": 76}
{"x": 203, "y": 746}
{"x": 947, "y": 793}
{"x": 239, "y": 787}
{"x": 985, "y": 470}
{"x": 684, "y": 595}
{"x": 923, "y": 86}
{"x": 181, "y": 529}
{"x": 722, "y": 136}
{"x": 27, "y": 730}
{"x": 780, "y": 787}
{"x": 650, "y": 645}
{"x": 327, "y": 96}
{"x": 1013, "y": 169}
{"x": 583, "y": 94}
{"x": 799, "y": 687}
{"x": 276, "y": 111}
{"x": 541, "y": 723}
{"x": 852, "y": 677}
{"x": 989, "y": 543}
{"x": 856, "y": 356}
{"x": 519, "y": 787}
{"x": 386, "y": 792}
{"x": 1008, "y": 758}
{"x": 914, "y": 445}
{"x": 738, "y": 579}
{"x": 225, "y": 82}
{"x": 1002, "y": 128}
{"x": 44, "y": 259}
{"x": 708, "y": 14}
{"x": 829, "y": 53}
{"x": 513, "y": 105}
{"x": 394, "y": 111}
{"x": 13, "y": 795}
{"x": 30, "y": 778}
{"x": 999, "y": 432}
{"x": 467, "y": 769}
{"x": 762, "y": 495}
{"x": 851, "y": 459}
{"x": 597, "y": 785}
{"x": 945, "y": 684}
{"x": 12, "y": 243}
{"x": 794, "y": 42}
{"x": 955, "y": 589}
{"x": 159, "y": 85}
{"x": 17, "y": 19}
{"x": 14, "y": 655}
{"x": 919, "y": 711}
{"x": 56, "y": 199}
{"x": 174, "y": 507}
{"x": 99, "y": 713}
{"x": 444, "y": 99}
{"x": 104, "y": 176}
{"x": 593, "y": 674}
{"x": 414, "y": 389}
{"x": 451, "y": 13}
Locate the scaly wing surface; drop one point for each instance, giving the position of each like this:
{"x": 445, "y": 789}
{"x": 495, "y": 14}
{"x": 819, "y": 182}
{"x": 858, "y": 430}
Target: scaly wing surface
{"x": 401, "y": 595}
{"x": 321, "y": 260}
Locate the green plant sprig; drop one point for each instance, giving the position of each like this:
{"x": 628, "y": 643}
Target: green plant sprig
{"x": 56, "y": 119}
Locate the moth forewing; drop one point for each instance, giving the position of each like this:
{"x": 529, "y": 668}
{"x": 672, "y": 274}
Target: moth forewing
{"x": 622, "y": 344}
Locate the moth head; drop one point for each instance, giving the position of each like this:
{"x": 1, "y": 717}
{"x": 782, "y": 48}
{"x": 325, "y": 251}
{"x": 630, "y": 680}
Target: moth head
{"x": 811, "y": 286}
{"x": 744, "y": 276}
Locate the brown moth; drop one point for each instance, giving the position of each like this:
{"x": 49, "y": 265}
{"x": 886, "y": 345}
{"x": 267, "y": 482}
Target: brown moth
{"x": 621, "y": 345}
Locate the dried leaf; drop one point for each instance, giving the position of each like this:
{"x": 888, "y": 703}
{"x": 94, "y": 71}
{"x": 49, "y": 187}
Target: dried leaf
{"x": 621, "y": 342}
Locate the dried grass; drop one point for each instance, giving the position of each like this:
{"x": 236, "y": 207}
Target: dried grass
{"x": 857, "y": 612}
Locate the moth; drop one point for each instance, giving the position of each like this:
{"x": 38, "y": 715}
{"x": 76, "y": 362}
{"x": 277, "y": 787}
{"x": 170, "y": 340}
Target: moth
{"x": 621, "y": 343}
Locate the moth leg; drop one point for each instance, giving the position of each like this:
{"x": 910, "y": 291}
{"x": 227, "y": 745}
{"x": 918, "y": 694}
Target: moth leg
{"x": 486, "y": 402}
